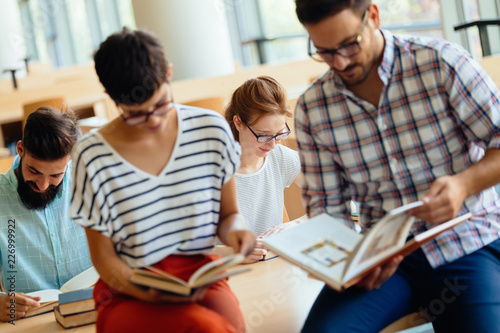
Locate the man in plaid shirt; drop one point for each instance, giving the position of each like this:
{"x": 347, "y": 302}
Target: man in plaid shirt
{"x": 398, "y": 119}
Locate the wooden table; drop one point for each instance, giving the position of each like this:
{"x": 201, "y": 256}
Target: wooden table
{"x": 274, "y": 297}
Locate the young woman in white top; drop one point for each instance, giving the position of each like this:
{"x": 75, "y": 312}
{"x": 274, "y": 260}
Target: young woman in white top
{"x": 257, "y": 114}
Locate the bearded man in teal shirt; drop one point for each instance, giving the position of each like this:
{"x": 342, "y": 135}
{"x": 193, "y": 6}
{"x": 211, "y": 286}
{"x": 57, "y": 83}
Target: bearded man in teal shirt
{"x": 40, "y": 246}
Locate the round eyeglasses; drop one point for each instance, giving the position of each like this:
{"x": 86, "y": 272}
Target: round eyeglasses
{"x": 267, "y": 138}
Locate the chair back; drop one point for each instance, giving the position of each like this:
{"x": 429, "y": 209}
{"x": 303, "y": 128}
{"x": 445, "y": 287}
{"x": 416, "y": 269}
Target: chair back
{"x": 293, "y": 202}
{"x": 6, "y": 163}
{"x": 211, "y": 103}
{"x": 56, "y": 102}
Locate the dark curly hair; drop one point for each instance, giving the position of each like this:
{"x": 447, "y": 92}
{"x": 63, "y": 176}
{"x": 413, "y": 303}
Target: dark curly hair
{"x": 131, "y": 66}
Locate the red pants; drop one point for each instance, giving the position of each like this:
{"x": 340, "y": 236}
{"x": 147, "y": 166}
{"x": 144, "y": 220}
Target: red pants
{"x": 218, "y": 311}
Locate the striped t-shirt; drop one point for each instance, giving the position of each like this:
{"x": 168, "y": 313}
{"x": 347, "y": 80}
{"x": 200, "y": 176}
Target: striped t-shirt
{"x": 149, "y": 217}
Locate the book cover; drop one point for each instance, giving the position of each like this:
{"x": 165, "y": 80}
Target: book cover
{"x": 76, "y": 301}
{"x": 207, "y": 274}
{"x": 75, "y": 320}
{"x": 325, "y": 247}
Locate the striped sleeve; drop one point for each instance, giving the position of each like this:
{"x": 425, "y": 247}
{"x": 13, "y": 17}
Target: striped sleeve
{"x": 86, "y": 203}
{"x": 231, "y": 151}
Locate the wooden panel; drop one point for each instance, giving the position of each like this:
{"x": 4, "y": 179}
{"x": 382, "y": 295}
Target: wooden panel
{"x": 491, "y": 65}
{"x": 293, "y": 202}
{"x": 5, "y": 163}
{"x": 55, "y": 102}
{"x": 211, "y": 103}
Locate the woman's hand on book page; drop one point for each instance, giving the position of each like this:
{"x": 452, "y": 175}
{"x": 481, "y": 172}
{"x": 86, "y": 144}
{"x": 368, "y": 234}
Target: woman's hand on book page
{"x": 442, "y": 201}
{"x": 258, "y": 253}
{"x": 380, "y": 274}
{"x": 15, "y": 306}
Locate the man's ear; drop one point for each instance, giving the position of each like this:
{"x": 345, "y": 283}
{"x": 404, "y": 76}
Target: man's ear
{"x": 374, "y": 15}
{"x": 169, "y": 72}
{"x": 20, "y": 148}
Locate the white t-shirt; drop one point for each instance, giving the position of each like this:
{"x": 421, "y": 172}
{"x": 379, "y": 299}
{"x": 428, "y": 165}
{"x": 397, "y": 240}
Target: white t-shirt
{"x": 149, "y": 217}
{"x": 260, "y": 194}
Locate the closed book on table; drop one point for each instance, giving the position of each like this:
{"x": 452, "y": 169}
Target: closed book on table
{"x": 76, "y": 301}
{"x": 76, "y": 319}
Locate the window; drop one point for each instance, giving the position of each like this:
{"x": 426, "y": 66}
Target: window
{"x": 420, "y": 17}
{"x": 267, "y": 31}
{"x": 67, "y": 32}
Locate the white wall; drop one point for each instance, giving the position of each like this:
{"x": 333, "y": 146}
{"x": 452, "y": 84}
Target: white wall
{"x": 193, "y": 32}
{"x": 12, "y": 49}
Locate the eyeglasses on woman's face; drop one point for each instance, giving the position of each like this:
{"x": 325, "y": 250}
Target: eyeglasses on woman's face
{"x": 139, "y": 117}
{"x": 267, "y": 138}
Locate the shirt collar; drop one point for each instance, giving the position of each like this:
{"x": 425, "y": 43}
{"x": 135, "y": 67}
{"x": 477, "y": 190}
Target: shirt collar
{"x": 385, "y": 68}
{"x": 11, "y": 176}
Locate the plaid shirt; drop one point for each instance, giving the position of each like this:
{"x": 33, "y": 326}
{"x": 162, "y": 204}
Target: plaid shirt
{"x": 437, "y": 112}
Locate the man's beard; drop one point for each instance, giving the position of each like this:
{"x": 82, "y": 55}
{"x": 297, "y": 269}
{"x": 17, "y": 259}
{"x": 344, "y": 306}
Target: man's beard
{"x": 32, "y": 199}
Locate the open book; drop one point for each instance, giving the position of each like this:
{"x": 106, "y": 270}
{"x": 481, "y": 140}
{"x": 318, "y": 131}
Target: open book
{"x": 325, "y": 247}
{"x": 50, "y": 297}
{"x": 207, "y": 274}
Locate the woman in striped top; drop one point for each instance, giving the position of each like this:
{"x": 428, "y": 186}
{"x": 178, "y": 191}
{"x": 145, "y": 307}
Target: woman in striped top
{"x": 155, "y": 187}
{"x": 257, "y": 116}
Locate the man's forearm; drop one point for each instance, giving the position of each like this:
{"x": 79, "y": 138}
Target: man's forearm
{"x": 483, "y": 174}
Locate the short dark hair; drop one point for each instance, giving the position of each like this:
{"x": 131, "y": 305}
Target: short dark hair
{"x": 131, "y": 66}
{"x": 50, "y": 134}
{"x": 314, "y": 11}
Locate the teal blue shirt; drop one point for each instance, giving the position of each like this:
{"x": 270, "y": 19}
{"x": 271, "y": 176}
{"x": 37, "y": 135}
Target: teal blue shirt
{"x": 39, "y": 249}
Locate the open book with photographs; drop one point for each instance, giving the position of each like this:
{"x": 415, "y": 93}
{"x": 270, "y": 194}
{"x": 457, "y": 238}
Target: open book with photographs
{"x": 207, "y": 274}
{"x": 325, "y": 247}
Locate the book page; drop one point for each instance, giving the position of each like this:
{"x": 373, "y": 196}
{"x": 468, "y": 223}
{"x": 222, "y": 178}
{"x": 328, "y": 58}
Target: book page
{"x": 48, "y": 295}
{"x": 209, "y": 279}
{"x": 385, "y": 238}
{"x": 83, "y": 280}
{"x": 160, "y": 275}
{"x": 216, "y": 266}
{"x": 320, "y": 246}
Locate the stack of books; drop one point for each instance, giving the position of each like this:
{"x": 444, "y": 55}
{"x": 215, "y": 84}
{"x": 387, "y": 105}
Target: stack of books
{"x": 76, "y": 308}
{"x": 49, "y": 297}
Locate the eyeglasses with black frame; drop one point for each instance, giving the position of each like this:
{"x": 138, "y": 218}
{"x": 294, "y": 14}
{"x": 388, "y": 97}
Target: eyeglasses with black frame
{"x": 267, "y": 138}
{"x": 139, "y": 117}
{"x": 345, "y": 51}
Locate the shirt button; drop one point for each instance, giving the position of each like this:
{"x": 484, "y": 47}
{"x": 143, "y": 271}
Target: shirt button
{"x": 394, "y": 165}
{"x": 382, "y": 124}
{"x": 59, "y": 261}
{"x": 53, "y": 234}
